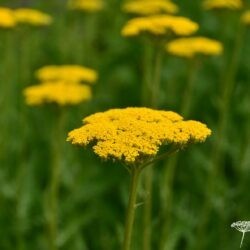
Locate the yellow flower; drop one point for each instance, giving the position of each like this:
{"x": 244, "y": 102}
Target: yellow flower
{"x": 160, "y": 25}
{"x": 7, "y": 18}
{"x": 245, "y": 18}
{"x": 148, "y": 7}
{"x": 134, "y": 135}
{"x": 223, "y": 4}
{"x": 32, "y": 17}
{"x": 67, "y": 73}
{"x": 86, "y": 5}
{"x": 189, "y": 47}
{"x": 60, "y": 93}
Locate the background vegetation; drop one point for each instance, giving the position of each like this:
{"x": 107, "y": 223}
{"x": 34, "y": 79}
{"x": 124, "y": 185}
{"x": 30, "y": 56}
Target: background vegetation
{"x": 93, "y": 195}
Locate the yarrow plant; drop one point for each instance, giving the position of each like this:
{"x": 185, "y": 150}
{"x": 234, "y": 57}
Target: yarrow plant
{"x": 155, "y": 30}
{"x": 148, "y": 7}
{"x": 160, "y": 25}
{"x": 193, "y": 46}
{"x": 61, "y": 86}
{"x": 136, "y": 137}
{"x": 67, "y": 73}
{"x": 60, "y": 93}
{"x": 223, "y": 4}
{"x": 86, "y": 5}
{"x": 32, "y": 17}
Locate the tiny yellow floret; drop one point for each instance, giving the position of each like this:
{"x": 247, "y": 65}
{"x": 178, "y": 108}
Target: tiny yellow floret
{"x": 134, "y": 135}
{"x": 223, "y": 4}
{"x": 59, "y": 93}
{"x": 149, "y": 7}
{"x": 86, "y": 5}
{"x": 245, "y": 18}
{"x": 32, "y": 17}
{"x": 192, "y": 46}
{"x": 7, "y": 18}
{"x": 67, "y": 73}
{"x": 160, "y": 25}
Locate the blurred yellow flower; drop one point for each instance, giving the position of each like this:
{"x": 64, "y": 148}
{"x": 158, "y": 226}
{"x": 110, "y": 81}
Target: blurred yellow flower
{"x": 67, "y": 73}
{"x": 86, "y": 5}
{"x": 32, "y": 17}
{"x": 60, "y": 93}
{"x": 223, "y": 4}
{"x": 7, "y": 18}
{"x": 134, "y": 135}
{"x": 189, "y": 47}
{"x": 245, "y": 18}
{"x": 160, "y": 25}
{"x": 148, "y": 7}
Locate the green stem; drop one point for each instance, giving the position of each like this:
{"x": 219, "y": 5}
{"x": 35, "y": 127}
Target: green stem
{"x": 171, "y": 164}
{"x": 188, "y": 92}
{"x": 155, "y": 87}
{"x": 135, "y": 173}
{"x": 148, "y": 177}
{"x": 148, "y": 182}
{"x": 55, "y": 183}
{"x": 147, "y": 72}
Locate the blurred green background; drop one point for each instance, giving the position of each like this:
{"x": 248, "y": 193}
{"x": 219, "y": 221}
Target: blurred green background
{"x": 93, "y": 194}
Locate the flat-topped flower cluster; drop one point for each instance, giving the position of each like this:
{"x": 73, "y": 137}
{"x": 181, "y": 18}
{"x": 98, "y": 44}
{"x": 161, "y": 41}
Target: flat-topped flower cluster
{"x": 9, "y": 18}
{"x": 134, "y": 135}
{"x": 149, "y": 7}
{"x": 63, "y": 85}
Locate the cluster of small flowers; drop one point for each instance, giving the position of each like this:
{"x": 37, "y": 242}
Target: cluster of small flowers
{"x": 9, "y": 18}
{"x": 61, "y": 85}
{"x": 86, "y": 5}
{"x": 134, "y": 135}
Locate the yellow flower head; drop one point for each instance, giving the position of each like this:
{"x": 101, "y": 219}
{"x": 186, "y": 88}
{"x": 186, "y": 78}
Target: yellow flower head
{"x": 60, "y": 93}
{"x": 160, "y": 25}
{"x": 86, "y": 5}
{"x": 148, "y": 7}
{"x": 223, "y": 4}
{"x": 133, "y": 135}
{"x": 189, "y": 47}
{"x": 67, "y": 73}
{"x": 7, "y": 18}
{"x": 245, "y": 18}
{"x": 32, "y": 17}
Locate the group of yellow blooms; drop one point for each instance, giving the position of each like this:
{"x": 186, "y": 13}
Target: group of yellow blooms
{"x": 62, "y": 85}
{"x": 149, "y": 7}
{"x": 9, "y": 18}
{"x": 155, "y": 23}
{"x": 135, "y": 135}
{"x": 86, "y": 5}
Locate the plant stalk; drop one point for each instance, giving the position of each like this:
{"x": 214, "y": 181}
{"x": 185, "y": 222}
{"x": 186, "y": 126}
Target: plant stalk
{"x": 135, "y": 173}
{"x": 55, "y": 182}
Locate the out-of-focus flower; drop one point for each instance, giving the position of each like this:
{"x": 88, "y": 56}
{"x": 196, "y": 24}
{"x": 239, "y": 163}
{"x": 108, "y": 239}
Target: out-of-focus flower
{"x": 190, "y": 47}
{"x": 32, "y": 17}
{"x": 245, "y": 18}
{"x": 134, "y": 135}
{"x": 223, "y": 4}
{"x": 7, "y": 18}
{"x": 59, "y": 93}
{"x": 149, "y": 7}
{"x": 160, "y": 25}
{"x": 67, "y": 73}
{"x": 86, "y": 5}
